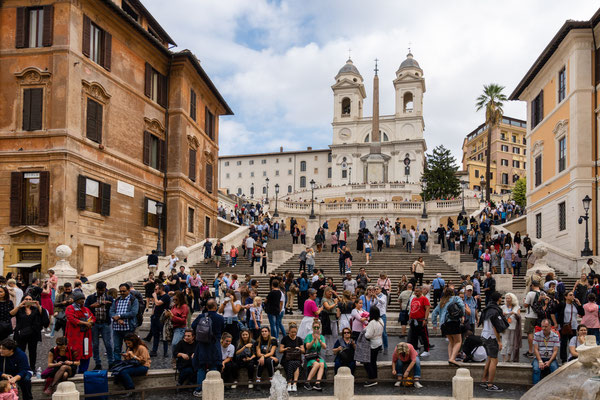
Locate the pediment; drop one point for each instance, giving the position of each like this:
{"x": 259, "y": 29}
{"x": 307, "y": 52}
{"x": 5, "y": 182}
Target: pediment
{"x": 96, "y": 90}
{"x": 345, "y": 84}
{"x": 33, "y": 76}
{"x": 28, "y": 234}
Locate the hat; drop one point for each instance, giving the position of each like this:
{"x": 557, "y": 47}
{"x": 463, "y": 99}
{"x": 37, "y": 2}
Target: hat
{"x": 468, "y": 287}
{"x": 348, "y": 272}
{"x": 78, "y": 296}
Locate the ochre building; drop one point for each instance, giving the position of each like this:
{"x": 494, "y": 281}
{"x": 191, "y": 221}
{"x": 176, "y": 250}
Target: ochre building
{"x": 100, "y": 125}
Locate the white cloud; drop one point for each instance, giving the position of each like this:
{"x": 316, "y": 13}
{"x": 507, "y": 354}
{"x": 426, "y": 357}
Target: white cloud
{"x": 274, "y": 61}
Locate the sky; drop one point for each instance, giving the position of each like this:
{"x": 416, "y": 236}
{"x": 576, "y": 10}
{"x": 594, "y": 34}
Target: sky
{"x": 274, "y": 61}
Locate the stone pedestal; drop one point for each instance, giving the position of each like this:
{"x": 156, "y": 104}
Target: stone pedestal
{"x": 212, "y": 387}
{"x": 312, "y": 227}
{"x": 462, "y": 385}
{"x": 466, "y": 268}
{"x": 375, "y": 169}
{"x": 66, "y": 391}
{"x": 435, "y": 248}
{"x": 297, "y": 248}
{"x": 280, "y": 256}
{"x": 504, "y": 282}
{"x": 343, "y": 384}
{"x": 63, "y": 270}
{"x": 452, "y": 258}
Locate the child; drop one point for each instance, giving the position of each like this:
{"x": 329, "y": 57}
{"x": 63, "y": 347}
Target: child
{"x": 227, "y": 259}
{"x": 256, "y": 317}
{"x": 7, "y": 391}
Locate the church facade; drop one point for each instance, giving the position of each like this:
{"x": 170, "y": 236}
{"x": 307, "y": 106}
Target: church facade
{"x": 398, "y": 144}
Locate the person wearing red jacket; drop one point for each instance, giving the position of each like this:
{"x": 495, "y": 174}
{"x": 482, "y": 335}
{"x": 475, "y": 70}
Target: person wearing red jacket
{"x": 178, "y": 313}
{"x": 79, "y": 330}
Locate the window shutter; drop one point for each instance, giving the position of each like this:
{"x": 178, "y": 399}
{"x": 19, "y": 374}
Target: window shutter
{"x": 145, "y": 216}
{"x": 44, "y": 206}
{"x": 193, "y": 104}
{"x": 21, "y": 32}
{"x": 146, "y": 155}
{"x": 162, "y": 90}
{"x": 541, "y": 115}
{"x": 16, "y": 198}
{"x": 81, "y": 180}
{"x": 27, "y": 109}
{"x": 105, "y": 209}
{"x": 107, "y": 38}
{"x": 209, "y": 178}
{"x": 98, "y": 122}
{"x": 35, "y": 116}
{"x": 162, "y": 156}
{"x": 91, "y": 124}
{"x": 192, "y": 165}
{"x": 87, "y": 25}
{"x": 48, "y": 25}
{"x": 148, "y": 81}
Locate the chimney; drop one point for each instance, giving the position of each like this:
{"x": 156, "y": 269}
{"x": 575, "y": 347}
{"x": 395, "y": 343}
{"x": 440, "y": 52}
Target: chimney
{"x": 281, "y": 149}
{"x": 309, "y": 148}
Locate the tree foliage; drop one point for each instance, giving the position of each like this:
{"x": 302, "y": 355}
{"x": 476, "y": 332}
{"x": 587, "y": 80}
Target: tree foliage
{"x": 440, "y": 174}
{"x": 520, "y": 191}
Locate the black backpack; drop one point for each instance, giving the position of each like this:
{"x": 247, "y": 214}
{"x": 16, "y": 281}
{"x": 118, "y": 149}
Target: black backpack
{"x": 204, "y": 330}
{"x": 455, "y": 313}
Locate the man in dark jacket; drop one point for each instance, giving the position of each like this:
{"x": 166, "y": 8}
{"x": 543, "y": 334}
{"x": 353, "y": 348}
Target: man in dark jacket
{"x": 441, "y": 232}
{"x": 207, "y": 356}
{"x": 14, "y": 367}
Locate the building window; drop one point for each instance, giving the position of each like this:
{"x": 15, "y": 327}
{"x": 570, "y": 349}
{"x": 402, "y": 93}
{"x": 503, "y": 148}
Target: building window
{"x": 239, "y": 191}
{"x": 346, "y": 106}
{"x": 316, "y": 158}
{"x": 209, "y": 123}
{"x": 329, "y": 157}
{"x": 289, "y": 171}
{"x": 192, "y": 104}
{"x": 192, "y": 165}
{"x": 329, "y": 172}
{"x": 562, "y": 216}
{"x": 154, "y": 151}
{"x": 344, "y": 174}
{"x": 264, "y": 173}
{"x": 316, "y": 171}
{"x": 240, "y": 174}
{"x": 34, "y": 26}
{"x": 227, "y": 163}
{"x": 538, "y": 170}
{"x": 209, "y": 177}
{"x": 538, "y": 226}
{"x": 524, "y": 165}
{"x": 476, "y": 173}
{"x": 514, "y": 138}
{"x": 251, "y": 162}
{"x": 562, "y": 154}
{"x": 491, "y": 175}
{"x": 503, "y": 136}
{"x": 251, "y": 174}
{"x": 29, "y": 198}
{"x": 190, "y": 220}
{"x": 516, "y": 150}
{"x": 155, "y": 86}
{"x": 227, "y": 175}
{"x": 302, "y": 166}
{"x": 516, "y": 164}
{"x": 263, "y": 161}
{"x": 504, "y": 147}
{"x": 151, "y": 217}
{"x": 277, "y": 172}
{"x": 93, "y": 196}
{"x": 524, "y": 142}
{"x": 96, "y": 43}
{"x": 505, "y": 179}
{"x": 264, "y": 190}
{"x": 537, "y": 109}
{"x": 504, "y": 162}
{"x": 238, "y": 163}
{"x": 206, "y": 227}
{"x": 524, "y": 152}
{"x": 32, "y": 109}
{"x": 562, "y": 84}
{"x": 289, "y": 188}
{"x": 94, "y": 121}
{"x": 290, "y": 159}
{"x": 302, "y": 181}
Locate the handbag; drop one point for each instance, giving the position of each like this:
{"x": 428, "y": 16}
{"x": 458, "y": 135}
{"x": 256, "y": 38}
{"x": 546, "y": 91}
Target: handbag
{"x": 311, "y": 356}
{"x": 5, "y": 328}
{"x": 567, "y": 329}
{"x": 119, "y": 366}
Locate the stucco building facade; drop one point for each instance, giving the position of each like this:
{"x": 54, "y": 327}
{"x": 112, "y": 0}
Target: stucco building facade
{"x": 100, "y": 123}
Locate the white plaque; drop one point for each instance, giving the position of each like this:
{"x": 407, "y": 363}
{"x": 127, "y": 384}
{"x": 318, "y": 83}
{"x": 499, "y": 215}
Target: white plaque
{"x": 125, "y": 188}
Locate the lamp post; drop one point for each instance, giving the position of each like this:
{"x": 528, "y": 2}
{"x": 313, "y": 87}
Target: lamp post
{"x": 276, "y": 214}
{"x": 586, "y": 252}
{"x": 267, "y": 199}
{"x": 462, "y": 185}
{"x": 350, "y": 175}
{"x": 312, "y": 200}
{"x": 424, "y": 186}
{"x": 481, "y": 187}
{"x": 252, "y": 190}
{"x": 159, "y": 211}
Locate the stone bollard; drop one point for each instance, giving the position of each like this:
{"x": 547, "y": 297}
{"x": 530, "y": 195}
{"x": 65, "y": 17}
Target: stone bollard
{"x": 66, "y": 391}
{"x": 63, "y": 269}
{"x": 212, "y": 387}
{"x": 343, "y": 384}
{"x": 462, "y": 385}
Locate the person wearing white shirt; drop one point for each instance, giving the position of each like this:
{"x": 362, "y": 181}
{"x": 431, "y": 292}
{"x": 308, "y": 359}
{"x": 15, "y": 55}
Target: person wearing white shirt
{"x": 374, "y": 333}
{"x": 382, "y": 306}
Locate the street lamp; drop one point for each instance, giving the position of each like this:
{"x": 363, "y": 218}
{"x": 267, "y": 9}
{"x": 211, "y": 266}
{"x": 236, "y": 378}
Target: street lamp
{"x": 424, "y": 186}
{"x": 252, "y": 190}
{"x": 481, "y": 187}
{"x": 312, "y": 200}
{"x": 586, "y": 252}
{"x": 462, "y": 185}
{"x": 350, "y": 175}
{"x": 159, "y": 211}
{"x": 267, "y": 199}
{"x": 276, "y": 214}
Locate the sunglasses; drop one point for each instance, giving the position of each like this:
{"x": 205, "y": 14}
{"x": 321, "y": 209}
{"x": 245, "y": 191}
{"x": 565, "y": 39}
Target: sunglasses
{"x": 316, "y": 327}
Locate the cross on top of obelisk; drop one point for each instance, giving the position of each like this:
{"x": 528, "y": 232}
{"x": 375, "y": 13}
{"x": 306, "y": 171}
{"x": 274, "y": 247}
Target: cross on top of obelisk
{"x": 349, "y": 54}
{"x": 376, "y": 69}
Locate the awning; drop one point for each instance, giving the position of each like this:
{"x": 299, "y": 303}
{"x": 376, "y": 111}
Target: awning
{"x": 26, "y": 265}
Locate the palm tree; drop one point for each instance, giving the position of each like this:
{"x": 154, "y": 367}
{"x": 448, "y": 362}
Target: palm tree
{"x": 491, "y": 98}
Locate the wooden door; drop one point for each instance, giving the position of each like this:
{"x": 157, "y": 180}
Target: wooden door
{"x": 91, "y": 255}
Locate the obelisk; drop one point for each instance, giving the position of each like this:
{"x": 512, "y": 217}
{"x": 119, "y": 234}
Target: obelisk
{"x": 375, "y": 162}
{"x": 375, "y": 136}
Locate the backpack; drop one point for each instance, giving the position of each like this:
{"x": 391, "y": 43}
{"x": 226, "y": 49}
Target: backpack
{"x": 455, "y": 313}
{"x": 204, "y": 330}
{"x": 141, "y": 308}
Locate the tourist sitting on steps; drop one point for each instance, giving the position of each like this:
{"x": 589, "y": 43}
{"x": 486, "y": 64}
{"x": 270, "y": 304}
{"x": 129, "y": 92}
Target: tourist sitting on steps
{"x": 545, "y": 348}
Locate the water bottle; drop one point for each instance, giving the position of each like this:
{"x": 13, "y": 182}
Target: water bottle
{"x": 38, "y": 373}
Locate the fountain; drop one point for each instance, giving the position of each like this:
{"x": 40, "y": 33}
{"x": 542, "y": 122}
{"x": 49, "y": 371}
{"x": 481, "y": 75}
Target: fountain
{"x": 278, "y": 387}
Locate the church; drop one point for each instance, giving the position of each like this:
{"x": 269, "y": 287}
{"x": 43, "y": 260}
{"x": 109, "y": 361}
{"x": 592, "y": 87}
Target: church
{"x": 365, "y": 150}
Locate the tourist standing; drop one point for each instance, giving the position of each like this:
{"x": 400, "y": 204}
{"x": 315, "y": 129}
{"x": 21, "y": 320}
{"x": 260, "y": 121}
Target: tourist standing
{"x": 374, "y": 334}
{"x": 418, "y": 315}
{"x": 418, "y": 270}
{"x": 99, "y": 303}
{"x": 123, "y": 312}
{"x": 494, "y": 324}
{"x": 207, "y": 356}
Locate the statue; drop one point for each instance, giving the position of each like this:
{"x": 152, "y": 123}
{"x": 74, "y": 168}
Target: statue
{"x": 540, "y": 268}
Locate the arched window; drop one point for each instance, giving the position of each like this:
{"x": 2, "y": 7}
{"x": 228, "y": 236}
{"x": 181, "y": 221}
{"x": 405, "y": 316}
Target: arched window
{"x": 346, "y": 106}
{"x": 264, "y": 190}
{"x": 384, "y": 137}
{"x": 302, "y": 181}
{"x": 408, "y": 102}
{"x": 289, "y": 188}
{"x": 302, "y": 166}
{"x": 239, "y": 191}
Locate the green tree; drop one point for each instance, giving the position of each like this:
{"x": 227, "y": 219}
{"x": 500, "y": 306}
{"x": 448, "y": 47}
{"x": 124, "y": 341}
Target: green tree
{"x": 491, "y": 99}
{"x": 519, "y": 192}
{"x": 440, "y": 173}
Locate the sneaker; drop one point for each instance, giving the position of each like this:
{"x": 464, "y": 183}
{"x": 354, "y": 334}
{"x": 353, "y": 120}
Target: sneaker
{"x": 317, "y": 387}
{"x": 250, "y": 385}
{"x": 294, "y": 388}
{"x": 418, "y": 385}
{"x": 307, "y": 386}
{"x": 197, "y": 393}
{"x": 425, "y": 354}
{"x": 289, "y": 387}
{"x": 529, "y": 355}
{"x": 370, "y": 384}
{"x": 493, "y": 388}
{"x": 431, "y": 346}
{"x": 398, "y": 384}
{"x": 483, "y": 384}
{"x": 153, "y": 354}
{"x": 385, "y": 352}
{"x": 98, "y": 367}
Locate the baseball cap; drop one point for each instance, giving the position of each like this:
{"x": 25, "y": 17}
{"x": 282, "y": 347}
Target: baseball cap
{"x": 468, "y": 287}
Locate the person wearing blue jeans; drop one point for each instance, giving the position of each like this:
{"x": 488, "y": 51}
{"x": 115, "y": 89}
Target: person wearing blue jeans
{"x": 208, "y": 356}
{"x": 404, "y": 361}
{"x": 545, "y": 349}
{"x": 280, "y": 327}
{"x": 274, "y": 308}
{"x": 382, "y": 305}
{"x": 123, "y": 313}
{"x": 177, "y": 336}
{"x": 135, "y": 351}
{"x": 537, "y": 371}
{"x": 99, "y": 303}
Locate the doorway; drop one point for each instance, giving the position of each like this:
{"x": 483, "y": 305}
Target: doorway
{"x": 91, "y": 255}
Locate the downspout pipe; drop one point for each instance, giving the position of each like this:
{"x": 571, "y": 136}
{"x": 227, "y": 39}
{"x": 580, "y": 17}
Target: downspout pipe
{"x": 595, "y": 136}
{"x": 166, "y": 155}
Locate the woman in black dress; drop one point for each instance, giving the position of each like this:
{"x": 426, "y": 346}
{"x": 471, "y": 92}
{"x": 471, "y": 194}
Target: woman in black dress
{"x": 28, "y": 332}
{"x": 6, "y": 306}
